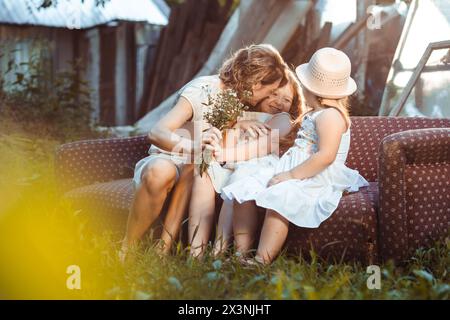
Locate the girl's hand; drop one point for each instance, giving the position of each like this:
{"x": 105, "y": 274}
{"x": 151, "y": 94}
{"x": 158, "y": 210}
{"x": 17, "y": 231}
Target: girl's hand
{"x": 283, "y": 176}
{"x": 253, "y": 128}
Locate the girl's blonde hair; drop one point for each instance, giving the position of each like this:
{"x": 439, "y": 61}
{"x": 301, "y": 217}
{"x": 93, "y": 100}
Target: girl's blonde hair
{"x": 257, "y": 63}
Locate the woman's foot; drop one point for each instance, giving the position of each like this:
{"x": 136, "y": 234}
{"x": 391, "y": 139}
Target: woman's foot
{"x": 126, "y": 251}
{"x": 252, "y": 262}
{"x": 123, "y": 252}
{"x": 162, "y": 249}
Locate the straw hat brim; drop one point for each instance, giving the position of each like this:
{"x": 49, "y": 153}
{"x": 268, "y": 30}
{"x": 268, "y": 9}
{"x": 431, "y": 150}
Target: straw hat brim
{"x": 302, "y": 72}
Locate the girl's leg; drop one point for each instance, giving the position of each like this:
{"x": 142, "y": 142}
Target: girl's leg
{"x": 177, "y": 208}
{"x": 273, "y": 236}
{"x": 245, "y": 225}
{"x": 201, "y": 214}
{"x": 224, "y": 227}
{"x": 157, "y": 180}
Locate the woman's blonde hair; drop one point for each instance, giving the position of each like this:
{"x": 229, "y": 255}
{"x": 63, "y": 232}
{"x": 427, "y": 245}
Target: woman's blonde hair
{"x": 257, "y": 63}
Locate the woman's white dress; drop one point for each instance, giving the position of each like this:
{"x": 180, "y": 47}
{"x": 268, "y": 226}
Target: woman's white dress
{"x": 305, "y": 203}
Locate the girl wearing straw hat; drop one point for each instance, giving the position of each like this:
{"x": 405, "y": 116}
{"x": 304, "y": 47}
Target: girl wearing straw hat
{"x": 305, "y": 185}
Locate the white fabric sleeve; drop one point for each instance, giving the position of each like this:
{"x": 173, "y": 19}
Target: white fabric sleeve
{"x": 194, "y": 95}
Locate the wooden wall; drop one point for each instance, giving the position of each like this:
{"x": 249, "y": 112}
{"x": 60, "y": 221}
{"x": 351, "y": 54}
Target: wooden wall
{"x": 184, "y": 46}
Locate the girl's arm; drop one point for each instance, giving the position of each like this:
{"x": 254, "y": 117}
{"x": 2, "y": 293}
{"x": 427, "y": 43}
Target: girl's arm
{"x": 280, "y": 126}
{"x": 163, "y": 133}
{"x": 330, "y": 126}
{"x": 253, "y": 127}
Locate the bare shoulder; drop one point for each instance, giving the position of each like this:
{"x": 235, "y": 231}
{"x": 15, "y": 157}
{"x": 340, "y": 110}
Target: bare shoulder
{"x": 332, "y": 118}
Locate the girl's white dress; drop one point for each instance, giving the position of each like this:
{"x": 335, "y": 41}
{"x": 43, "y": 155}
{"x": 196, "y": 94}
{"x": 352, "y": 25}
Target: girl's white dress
{"x": 305, "y": 203}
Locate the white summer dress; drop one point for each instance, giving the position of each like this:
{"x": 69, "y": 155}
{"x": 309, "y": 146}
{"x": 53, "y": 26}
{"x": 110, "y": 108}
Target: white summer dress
{"x": 307, "y": 202}
{"x": 196, "y": 92}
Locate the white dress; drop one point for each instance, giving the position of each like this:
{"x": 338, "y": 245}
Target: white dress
{"x": 305, "y": 203}
{"x": 220, "y": 175}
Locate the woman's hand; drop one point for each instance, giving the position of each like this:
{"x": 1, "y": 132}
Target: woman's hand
{"x": 212, "y": 141}
{"x": 278, "y": 178}
{"x": 212, "y": 135}
{"x": 253, "y": 128}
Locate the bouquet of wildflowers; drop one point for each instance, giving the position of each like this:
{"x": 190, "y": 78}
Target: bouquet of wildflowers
{"x": 224, "y": 110}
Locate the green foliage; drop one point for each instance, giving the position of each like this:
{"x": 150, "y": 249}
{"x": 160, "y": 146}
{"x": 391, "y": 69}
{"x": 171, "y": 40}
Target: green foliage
{"x": 34, "y": 217}
{"x": 55, "y": 105}
{"x": 224, "y": 109}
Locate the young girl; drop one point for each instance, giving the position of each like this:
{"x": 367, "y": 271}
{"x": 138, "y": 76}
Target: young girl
{"x": 285, "y": 102}
{"x": 258, "y": 69}
{"x": 305, "y": 185}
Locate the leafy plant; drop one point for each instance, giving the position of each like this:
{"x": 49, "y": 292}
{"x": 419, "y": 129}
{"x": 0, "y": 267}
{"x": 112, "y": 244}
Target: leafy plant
{"x": 54, "y": 104}
{"x": 224, "y": 109}
{"x": 59, "y": 235}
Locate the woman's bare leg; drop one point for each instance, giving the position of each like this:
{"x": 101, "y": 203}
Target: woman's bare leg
{"x": 201, "y": 214}
{"x": 224, "y": 227}
{"x": 273, "y": 235}
{"x": 245, "y": 225}
{"x": 177, "y": 208}
{"x": 157, "y": 180}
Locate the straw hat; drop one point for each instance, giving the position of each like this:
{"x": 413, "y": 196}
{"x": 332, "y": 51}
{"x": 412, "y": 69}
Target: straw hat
{"x": 327, "y": 74}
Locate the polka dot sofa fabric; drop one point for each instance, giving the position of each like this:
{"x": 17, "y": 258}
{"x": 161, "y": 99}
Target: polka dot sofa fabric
{"x": 109, "y": 200}
{"x": 414, "y": 182}
{"x": 407, "y": 205}
{"x": 349, "y": 234}
{"x": 93, "y": 161}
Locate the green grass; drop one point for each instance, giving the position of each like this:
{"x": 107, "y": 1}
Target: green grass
{"x": 40, "y": 235}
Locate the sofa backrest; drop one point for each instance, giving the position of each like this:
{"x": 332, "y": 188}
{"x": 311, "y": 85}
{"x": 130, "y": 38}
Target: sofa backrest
{"x": 367, "y": 133}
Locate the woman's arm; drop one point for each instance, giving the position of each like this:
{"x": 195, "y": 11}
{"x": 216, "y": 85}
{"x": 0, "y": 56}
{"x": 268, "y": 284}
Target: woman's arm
{"x": 163, "y": 133}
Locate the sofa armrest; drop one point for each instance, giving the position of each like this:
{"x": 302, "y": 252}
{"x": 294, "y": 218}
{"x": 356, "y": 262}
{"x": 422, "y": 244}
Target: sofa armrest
{"x": 85, "y": 162}
{"x": 414, "y": 176}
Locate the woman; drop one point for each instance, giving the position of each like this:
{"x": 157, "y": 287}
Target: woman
{"x": 258, "y": 69}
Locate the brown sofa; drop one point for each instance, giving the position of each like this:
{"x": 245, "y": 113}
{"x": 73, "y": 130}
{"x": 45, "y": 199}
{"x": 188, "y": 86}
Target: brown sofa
{"x": 406, "y": 206}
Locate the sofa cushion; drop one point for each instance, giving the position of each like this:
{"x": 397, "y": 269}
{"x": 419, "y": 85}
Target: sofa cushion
{"x": 350, "y": 233}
